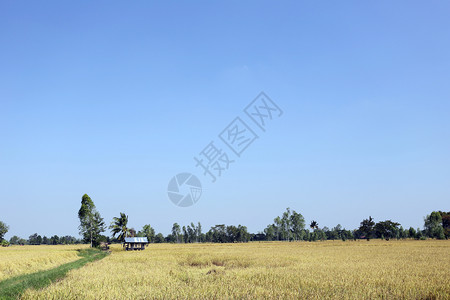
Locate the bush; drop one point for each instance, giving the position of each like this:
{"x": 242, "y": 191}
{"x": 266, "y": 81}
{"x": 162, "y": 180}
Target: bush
{"x": 4, "y": 243}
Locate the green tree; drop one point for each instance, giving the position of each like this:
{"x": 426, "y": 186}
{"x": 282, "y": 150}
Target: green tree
{"x": 314, "y": 225}
{"x": 190, "y": 234}
{"x": 232, "y": 233}
{"x": 346, "y": 234}
{"x": 270, "y": 232}
{"x": 34, "y": 239}
{"x": 386, "y": 229}
{"x": 91, "y": 223}
{"x": 199, "y": 232}
{"x": 14, "y": 240}
{"x": 159, "y": 238}
{"x": 119, "y": 227}
{"x": 328, "y": 233}
{"x": 185, "y": 235}
{"x": 446, "y": 223}
{"x": 433, "y": 225}
{"x": 132, "y": 232}
{"x": 306, "y": 235}
{"x": 403, "y": 233}
{"x": 321, "y": 234}
{"x": 297, "y": 225}
{"x": 3, "y": 230}
{"x": 170, "y": 238}
{"x": 278, "y": 227}
{"x": 412, "y": 233}
{"x": 286, "y": 224}
{"x": 335, "y": 232}
{"x": 338, "y": 233}
{"x": 54, "y": 240}
{"x": 192, "y": 231}
{"x": 243, "y": 234}
{"x": 287, "y": 227}
{"x": 313, "y": 236}
{"x": 366, "y": 228}
{"x": 218, "y": 234}
{"x": 419, "y": 234}
{"x": 176, "y": 232}
{"x": 148, "y": 232}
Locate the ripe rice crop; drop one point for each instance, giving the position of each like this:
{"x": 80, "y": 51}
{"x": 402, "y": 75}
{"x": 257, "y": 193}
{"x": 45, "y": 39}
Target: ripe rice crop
{"x": 332, "y": 269}
{"x": 18, "y": 260}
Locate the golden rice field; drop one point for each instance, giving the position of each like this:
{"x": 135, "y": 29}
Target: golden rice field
{"x": 18, "y": 260}
{"x": 333, "y": 269}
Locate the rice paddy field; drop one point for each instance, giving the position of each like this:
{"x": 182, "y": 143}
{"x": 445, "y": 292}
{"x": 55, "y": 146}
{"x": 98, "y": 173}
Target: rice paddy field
{"x": 19, "y": 260}
{"x": 270, "y": 270}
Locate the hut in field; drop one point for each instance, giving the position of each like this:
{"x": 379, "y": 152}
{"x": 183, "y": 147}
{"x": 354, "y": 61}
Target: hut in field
{"x": 104, "y": 245}
{"x": 135, "y": 243}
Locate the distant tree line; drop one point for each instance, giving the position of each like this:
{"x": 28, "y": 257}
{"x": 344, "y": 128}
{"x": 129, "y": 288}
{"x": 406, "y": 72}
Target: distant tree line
{"x": 290, "y": 226}
{"x": 36, "y": 239}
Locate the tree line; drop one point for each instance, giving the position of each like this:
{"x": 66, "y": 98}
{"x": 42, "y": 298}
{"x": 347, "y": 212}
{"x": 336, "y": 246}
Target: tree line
{"x": 289, "y": 226}
{"x": 36, "y": 239}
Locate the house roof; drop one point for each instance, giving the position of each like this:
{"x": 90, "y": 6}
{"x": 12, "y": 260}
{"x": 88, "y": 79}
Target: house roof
{"x": 136, "y": 240}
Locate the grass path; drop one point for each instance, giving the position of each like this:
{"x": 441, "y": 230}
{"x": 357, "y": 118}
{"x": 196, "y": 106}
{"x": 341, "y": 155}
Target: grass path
{"x": 13, "y": 287}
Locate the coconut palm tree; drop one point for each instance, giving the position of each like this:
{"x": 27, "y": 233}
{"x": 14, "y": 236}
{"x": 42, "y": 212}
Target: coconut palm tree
{"x": 119, "y": 226}
{"x": 314, "y": 225}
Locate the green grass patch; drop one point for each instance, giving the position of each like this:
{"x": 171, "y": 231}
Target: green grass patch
{"x": 12, "y": 288}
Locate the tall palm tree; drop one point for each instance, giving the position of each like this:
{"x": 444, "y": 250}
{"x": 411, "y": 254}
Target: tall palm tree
{"x": 119, "y": 226}
{"x": 314, "y": 225}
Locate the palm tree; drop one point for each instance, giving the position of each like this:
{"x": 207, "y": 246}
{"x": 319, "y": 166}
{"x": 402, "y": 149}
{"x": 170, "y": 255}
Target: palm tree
{"x": 119, "y": 226}
{"x": 314, "y": 225}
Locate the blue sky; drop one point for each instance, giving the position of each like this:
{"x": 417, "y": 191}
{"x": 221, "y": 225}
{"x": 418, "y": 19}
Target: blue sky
{"x": 113, "y": 99}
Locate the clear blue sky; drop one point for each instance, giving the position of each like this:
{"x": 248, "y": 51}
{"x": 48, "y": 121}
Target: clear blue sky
{"x": 113, "y": 99}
